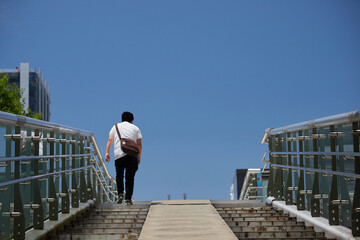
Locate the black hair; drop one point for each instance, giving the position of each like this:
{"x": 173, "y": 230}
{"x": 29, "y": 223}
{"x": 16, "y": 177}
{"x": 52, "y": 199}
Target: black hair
{"x": 127, "y": 117}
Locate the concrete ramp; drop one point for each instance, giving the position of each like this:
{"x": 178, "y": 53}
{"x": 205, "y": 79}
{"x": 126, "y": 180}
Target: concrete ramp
{"x": 185, "y": 219}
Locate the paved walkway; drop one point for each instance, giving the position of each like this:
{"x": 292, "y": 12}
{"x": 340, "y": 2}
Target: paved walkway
{"x": 185, "y": 219}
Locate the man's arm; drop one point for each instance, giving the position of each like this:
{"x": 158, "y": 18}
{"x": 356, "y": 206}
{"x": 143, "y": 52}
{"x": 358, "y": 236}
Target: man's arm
{"x": 108, "y": 146}
{"x": 138, "y": 142}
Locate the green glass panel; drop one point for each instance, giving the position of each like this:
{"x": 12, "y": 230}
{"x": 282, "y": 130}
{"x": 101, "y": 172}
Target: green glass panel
{"x": 6, "y": 173}
{"x": 295, "y": 162}
{"x": 67, "y": 162}
{"x": 343, "y": 165}
{"x": 57, "y": 167}
{"x": 43, "y": 169}
{"x": 27, "y": 170}
{"x": 326, "y": 164}
{"x": 325, "y": 181}
{"x": 272, "y": 148}
{"x": 77, "y": 160}
{"x": 284, "y": 161}
{"x": 308, "y": 163}
{"x": 325, "y": 161}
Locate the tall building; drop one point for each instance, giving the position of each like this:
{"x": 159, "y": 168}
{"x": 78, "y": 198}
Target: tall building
{"x": 36, "y": 93}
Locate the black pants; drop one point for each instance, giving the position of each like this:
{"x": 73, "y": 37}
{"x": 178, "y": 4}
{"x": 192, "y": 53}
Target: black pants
{"x": 130, "y": 164}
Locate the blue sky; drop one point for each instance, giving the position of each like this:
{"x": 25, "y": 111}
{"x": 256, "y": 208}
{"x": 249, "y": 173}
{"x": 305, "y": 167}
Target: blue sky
{"x": 204, "y": 79}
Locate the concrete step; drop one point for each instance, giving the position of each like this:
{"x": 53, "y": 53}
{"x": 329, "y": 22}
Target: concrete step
{"x": 250, "y": 219}
{"x": 137, "y": 204}
{"x": 245, "y": 208}
{"x": 265, "y": 223}
{"x": 132, "y": 208}
{"x": 120, "y": 216}
{"x": 117, "y": 214}
{"x": 95, "y": 230}
{"x": 108, "y": 225}
{"x": 270, "y": 228}
{"x": 276, "y": 234}
{"x": 237, "y": 203}
{"x": 120, "y": 211}
{"x": 79, "y": 236}
{"x": 127, "y": 216}
{"x": 114, "y": 220}
{"x": 250, "y": 210}
{"x": 282, "y": 238}
{"x": 245, "y": 215}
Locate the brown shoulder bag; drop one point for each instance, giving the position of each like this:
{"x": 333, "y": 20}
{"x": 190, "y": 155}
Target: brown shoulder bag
{"x": 128, "y": 146}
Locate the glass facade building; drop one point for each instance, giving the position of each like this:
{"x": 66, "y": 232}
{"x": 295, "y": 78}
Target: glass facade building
{"x": 36, "y": 93}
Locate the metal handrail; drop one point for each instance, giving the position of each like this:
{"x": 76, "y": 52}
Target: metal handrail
{"x": 101, "y": 159}
{"x": 246, "y": 180}
{"x": 255, "y": 187}
{"x": 256, "y": 197}
{"x": 8, "y": 159}
{"x": 247, "y": 193}
{"x": 320, "y": 122}
{"x": 13, "y": 119}
{"x": 102, "y": 186}
{"x": 266, "y": 162}
{"x": 12, "y": 182}
{"x": 110, "y": 191}
{"x": 328, "y": 172}
{"x": 318, "y": 153}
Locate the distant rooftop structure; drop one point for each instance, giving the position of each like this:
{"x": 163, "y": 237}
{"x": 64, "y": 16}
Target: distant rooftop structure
{"x": 36, "y": 92}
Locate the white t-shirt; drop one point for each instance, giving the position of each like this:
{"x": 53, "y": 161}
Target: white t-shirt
{"x": 127, "y": 130}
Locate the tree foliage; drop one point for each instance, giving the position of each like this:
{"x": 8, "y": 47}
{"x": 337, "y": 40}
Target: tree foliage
{"x": 11, "y": 99}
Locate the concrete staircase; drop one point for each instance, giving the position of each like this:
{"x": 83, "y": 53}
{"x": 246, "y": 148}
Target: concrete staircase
{"x": 264, "y": 222}
{"x": 190, "y": 219}
{"x": 109, "y": 222}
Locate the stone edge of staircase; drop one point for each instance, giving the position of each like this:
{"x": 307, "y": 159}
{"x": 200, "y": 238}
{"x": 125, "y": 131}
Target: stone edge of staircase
{"x": 320, "y": 224}
{"x": 63, "y": 219}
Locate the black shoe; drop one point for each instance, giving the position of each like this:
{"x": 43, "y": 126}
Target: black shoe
{"x": 128, "y": 202}
{"x": 120, "y": 199}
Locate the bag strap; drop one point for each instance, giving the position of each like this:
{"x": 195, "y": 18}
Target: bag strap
{"x": 117, "y": 130}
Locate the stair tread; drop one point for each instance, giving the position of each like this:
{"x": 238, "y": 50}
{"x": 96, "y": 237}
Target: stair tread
{"x": 102, "y": 230}
{"x": 275, "y": 231}
{"x": 107, "y": 223}
{"x": 266, "y": 223}
{"x": 105, "y": 227}
{"x": 100, "y": 233}
{"x": 297, "y": 237}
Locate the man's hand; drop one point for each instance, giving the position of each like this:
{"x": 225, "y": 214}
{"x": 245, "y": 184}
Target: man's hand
{"x": 108, "y": 146}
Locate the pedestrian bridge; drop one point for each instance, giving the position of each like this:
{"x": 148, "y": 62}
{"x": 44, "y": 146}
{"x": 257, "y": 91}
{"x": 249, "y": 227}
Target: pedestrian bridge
{"x": 54, "y": 185}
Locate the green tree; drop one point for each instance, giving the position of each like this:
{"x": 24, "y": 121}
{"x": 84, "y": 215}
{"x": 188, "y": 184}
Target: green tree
{"x": 33, "y": 115}
{"x": 11, "y": 99}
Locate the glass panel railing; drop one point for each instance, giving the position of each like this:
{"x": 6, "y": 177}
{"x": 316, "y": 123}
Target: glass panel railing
{"x": 255, "y": 185}
{"x": 46, "y": 168}
{"x": 323, "y": 156}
